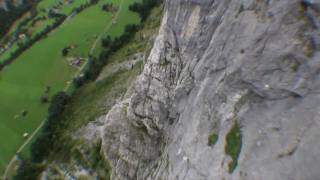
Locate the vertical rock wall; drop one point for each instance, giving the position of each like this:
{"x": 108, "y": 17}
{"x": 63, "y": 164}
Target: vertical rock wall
{"x": 217, "y": 63}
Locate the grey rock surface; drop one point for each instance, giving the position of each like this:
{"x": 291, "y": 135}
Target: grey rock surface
{"x": 215, "y": 62}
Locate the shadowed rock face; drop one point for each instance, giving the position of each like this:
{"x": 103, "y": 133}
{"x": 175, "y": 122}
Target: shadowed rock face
{"x": 214, "y": 63}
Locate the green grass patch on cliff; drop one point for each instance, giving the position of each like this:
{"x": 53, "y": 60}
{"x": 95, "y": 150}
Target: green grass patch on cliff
{"x": 233, "y": 145}
{"x": 212, "y": 139}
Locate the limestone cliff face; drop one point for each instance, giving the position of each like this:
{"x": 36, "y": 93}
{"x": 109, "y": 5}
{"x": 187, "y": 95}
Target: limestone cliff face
{"x": 216, "y": 63}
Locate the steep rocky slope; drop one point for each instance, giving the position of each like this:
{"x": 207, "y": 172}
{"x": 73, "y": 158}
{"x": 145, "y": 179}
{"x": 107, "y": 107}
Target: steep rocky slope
{"x": 78, "y": 155}
{"x": 219, "y": 65}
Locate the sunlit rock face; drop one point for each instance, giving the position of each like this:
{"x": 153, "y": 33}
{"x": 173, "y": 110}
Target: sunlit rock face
{"x": 217, "y": 63}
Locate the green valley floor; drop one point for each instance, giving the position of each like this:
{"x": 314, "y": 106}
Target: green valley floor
{"x": 42, "y": 70}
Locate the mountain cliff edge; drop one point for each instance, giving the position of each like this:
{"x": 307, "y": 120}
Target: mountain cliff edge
{"x": 230, "y": 91}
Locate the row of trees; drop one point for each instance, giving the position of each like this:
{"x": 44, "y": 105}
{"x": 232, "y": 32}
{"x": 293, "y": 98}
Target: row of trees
{"x": 84, "y": 6}
{"x": 30, "y": 169}
{"x": 109, "y": 7}
{"x": 31, "y": 41}
{"x": 110, "y": 45}
{"x": 47, "y": 140}
{"x": 59, "y": 19}
{"x": 7, "y": 17}
{"x": 144, "y": 8}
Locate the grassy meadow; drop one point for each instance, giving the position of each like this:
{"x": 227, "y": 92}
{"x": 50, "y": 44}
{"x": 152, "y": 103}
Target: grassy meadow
{"x": 42, "y": 12}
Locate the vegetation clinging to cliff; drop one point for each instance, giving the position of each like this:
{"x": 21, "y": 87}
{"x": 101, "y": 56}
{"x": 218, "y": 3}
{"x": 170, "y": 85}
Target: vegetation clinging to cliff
{"x": 233, "y": 145}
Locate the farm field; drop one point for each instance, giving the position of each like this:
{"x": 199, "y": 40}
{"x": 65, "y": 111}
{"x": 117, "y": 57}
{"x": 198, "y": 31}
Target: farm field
{"x": 39, "y": 22}
{"x": 43, "y": 70}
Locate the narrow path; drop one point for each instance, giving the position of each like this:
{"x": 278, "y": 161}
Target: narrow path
{"x": 43, "y": 122}
{"x": 114, "y": 19}
{"x": 94, "y": 45}
{"x": 21, "y": 148}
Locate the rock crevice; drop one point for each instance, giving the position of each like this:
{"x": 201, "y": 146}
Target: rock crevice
{"x": 215, "y": 62}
